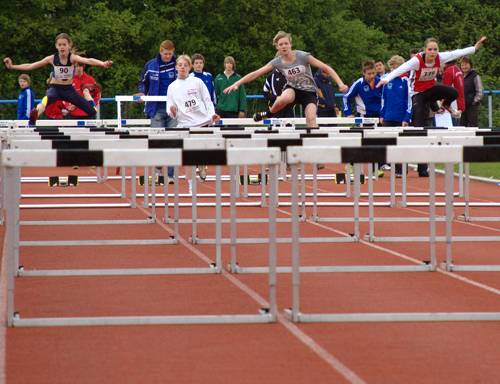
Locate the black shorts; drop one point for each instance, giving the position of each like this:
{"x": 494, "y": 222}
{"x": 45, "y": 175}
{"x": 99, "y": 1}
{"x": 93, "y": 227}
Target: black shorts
{"x": 304, "y": 98}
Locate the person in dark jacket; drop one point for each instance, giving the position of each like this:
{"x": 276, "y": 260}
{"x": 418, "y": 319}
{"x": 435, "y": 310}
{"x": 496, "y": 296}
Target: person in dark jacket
{"x": 157, "y": 74}
{"x": 326, "y": 95}
{"x": 273, "y": 87}
{"x": 473, "y": 91}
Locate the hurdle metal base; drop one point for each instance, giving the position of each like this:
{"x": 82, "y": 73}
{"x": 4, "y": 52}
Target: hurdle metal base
{"x": 280, "y": 240}
{"x": 375, "y": 219}
{"x": 17, "y": 321}
{"x": 483, "y": 218}
{"x": 340, "y": 268}
{"x": 470, "y": 268}
{"x": 69, "y": 243}
{"x": 87, "y": 222}
{"x": 422, "y": 239}
{"x": 391, "y": 317}
{"x": 117, "y": 272}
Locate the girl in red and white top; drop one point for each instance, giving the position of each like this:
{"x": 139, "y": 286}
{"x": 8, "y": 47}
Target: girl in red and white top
{"x": 426, "y": 65}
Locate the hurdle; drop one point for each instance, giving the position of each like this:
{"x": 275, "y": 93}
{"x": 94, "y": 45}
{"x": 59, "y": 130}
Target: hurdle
{"x": 438, "y": 140}
{"x": 432, "y": 154}
{"x": 13, "y": 160}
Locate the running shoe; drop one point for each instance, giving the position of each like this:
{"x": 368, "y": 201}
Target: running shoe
{"x": 259, "y": 116}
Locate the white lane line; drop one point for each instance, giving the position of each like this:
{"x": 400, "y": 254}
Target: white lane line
{"x": 309, "y": 342}
{"x": 413, "y": 260}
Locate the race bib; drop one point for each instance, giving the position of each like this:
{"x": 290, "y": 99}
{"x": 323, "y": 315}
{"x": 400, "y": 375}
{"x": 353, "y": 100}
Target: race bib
{"x": 191, "y": 105}
{"x": 63, "y": 72}
{"x": 295, "y": 71}
{"x": 427, "y": 74}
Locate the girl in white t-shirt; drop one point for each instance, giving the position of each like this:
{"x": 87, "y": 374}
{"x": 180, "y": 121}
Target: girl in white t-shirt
{"x": 188, "y": 101}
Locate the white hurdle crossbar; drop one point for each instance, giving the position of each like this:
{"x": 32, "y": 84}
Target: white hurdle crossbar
{"x": 13, "y": 160}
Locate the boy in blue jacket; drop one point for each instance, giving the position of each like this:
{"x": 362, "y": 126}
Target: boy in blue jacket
{"x": 396, "y": 101}
{"x": 365, "y": 93}
{"x": 26, "y": 99}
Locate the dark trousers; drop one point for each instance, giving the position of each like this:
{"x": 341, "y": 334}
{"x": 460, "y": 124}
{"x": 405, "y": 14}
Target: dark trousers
{"x": 68, "y": 93}
{"x": 227, "y": 114}
{"x": 470, "y": 117}
{"x": 423, "y": 101}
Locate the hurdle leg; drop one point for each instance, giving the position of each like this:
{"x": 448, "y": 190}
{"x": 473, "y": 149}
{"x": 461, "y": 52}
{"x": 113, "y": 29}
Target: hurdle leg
{"x": 123, "y": 175}
{"x": 263, "y": 172}
{"x": 133, "y": 193}
{"x": 273, "y": 191}
{"x": 302, "y": 192}
{"x": 104, "y": 174}
{"x": 234, "y": 176}
{"x": 315, "y": 192}
{"x": 461, "y": 179}
{"x": 283, "y": 171}
{"x": 348, "y": 182}
{"x": 145, "y": 201}
{"x": 357, "y": 193}
{"x": 12, "y": 196}
{"x": 245, "y": 181}
{"x": 295, "y": 248}
{"x": 432, "y": 215}
{"x": 98, "y": 172}
{"x": 393, "y": 185}
{"x": 467, "y": 191}
{"x": 153, "y": 194}
{"x": 371, "y": 212}
{"x": 176, "y": 203}
{"x": 194, "y": 208}
{"x": 449, "y": 213}
{"x": 218, "y": 219}
{"x": 404, "y": 180}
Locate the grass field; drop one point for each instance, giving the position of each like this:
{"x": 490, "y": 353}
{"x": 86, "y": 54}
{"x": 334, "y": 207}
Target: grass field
{"x": 488, "y": 170}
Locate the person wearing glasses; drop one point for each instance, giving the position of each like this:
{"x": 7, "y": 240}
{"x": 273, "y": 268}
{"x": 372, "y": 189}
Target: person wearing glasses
{"x": 426, "y": 92}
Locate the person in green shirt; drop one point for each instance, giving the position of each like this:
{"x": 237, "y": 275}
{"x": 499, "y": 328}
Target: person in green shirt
{"x": 229, "y": 105}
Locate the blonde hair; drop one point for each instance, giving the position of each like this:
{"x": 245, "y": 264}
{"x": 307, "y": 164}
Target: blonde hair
{"x": 66, "y": 37}
{"x": 26, "y": 77}
{"x": 280, "y": 35}
{"x": 167, "y": 44}
{"x": 395, "y": 60}
{"x": 185, "y": 58}
{"x": 230, "y": 59}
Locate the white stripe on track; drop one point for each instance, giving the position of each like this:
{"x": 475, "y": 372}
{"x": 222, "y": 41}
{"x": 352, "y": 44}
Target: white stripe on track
{"x": 413, "y": 260}
{"x": 309, "y": 342}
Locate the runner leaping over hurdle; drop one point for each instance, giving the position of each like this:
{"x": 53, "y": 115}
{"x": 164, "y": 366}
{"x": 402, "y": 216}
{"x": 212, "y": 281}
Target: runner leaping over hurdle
{"x": 300, "y": 87}
{"x": 60, "y": 85}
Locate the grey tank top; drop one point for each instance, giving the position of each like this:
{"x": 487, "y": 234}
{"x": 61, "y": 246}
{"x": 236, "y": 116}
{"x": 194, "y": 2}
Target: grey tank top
{"x": 298, "y": 74}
